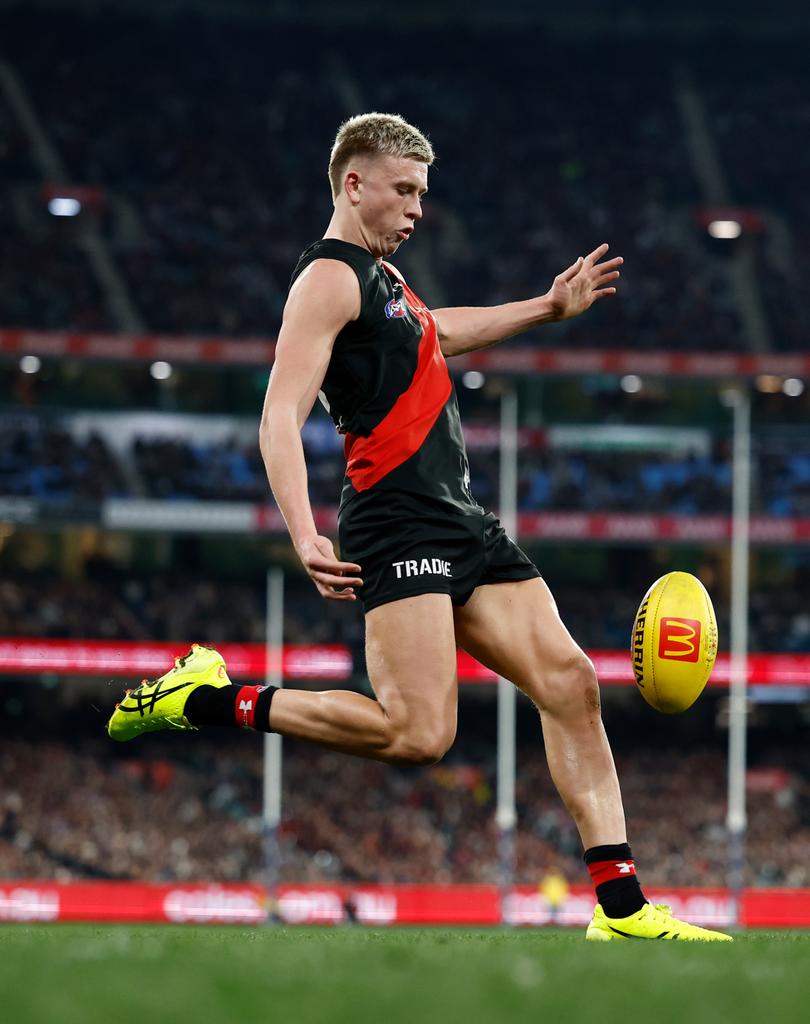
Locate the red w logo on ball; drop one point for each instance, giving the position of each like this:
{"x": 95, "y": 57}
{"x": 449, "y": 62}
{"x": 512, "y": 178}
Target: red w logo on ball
{"x": 679, "y": 639}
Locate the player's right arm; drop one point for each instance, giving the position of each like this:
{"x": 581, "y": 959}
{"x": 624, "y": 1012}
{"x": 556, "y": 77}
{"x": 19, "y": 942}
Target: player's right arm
{"x": 321, "y": 302}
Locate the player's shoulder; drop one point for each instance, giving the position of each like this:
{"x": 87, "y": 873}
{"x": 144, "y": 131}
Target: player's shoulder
{"x": 326, "y": 287}
{"x": 325, "y": 272}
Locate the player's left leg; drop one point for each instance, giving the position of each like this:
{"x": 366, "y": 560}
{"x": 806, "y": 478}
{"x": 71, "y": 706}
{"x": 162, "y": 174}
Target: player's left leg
{"x": 514, "y": 629}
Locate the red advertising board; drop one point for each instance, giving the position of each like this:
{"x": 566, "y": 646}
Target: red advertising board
{"x": 644, "y": 528}
{"x": 378, "y": 905}
{"x": 139, "y": 658}
{"x": 327, "y": 662}
{"x": 130, "y": 902}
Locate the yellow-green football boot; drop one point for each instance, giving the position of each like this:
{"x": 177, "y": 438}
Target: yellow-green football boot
{"x": 651, "y": 922}
{"x": 159, "y": 704}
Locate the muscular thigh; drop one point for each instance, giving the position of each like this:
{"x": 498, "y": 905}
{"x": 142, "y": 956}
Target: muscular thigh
{"x": 411, "y": 660}
{"x": 515, "y": 629}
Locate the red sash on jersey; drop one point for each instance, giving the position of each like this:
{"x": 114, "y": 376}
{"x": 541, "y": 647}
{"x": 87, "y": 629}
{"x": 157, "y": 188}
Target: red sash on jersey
{"x": 401, "y": 433}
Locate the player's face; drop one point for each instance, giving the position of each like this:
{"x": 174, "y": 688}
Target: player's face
{"x": 390, "y": 191}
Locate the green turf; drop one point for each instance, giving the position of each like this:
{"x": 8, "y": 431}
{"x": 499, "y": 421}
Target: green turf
{"x": 74, "y": 974}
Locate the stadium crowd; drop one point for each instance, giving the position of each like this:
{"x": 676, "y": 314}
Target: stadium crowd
{"x": 53, "y": 465}
{"x": 179, "y": 467}
{"x": 205, "y": 208}
{"x": 47, "y": 281}
{"x": 79, "y": 812}
{"x": 183, "y": 606}
{"x": 760, "y": 122}
{"x": 180, "y": 607}
{"x": 45, "y": 459}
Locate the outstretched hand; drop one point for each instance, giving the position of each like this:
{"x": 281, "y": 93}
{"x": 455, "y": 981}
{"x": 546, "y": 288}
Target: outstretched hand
{"x": 578, "y": 287}
{"x": 334, "y": 579}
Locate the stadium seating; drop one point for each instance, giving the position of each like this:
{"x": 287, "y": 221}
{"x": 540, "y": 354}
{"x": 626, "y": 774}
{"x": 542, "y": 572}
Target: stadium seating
{"x": 166, "y": 814}
{"x": 760, "y": 122}
{"x": 51, "y": 464}
{"x": 206, "y": 206}
{"x": 182, "y": 605}
{"x": 52, "y": 457}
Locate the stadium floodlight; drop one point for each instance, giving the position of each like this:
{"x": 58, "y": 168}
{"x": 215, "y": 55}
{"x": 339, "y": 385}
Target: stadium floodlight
{"x": 725, "y": 228}
{"x": 30, "y": 364}
{"x": 793, "y": 387}
{"x": 64, "y": 206}
{"x": 161, "y": 370}
{"x": 473, "y": 379}
{"x": 631, "y": 383}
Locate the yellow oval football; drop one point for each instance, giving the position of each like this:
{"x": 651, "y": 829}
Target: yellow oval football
{"x": 674, "y": 642}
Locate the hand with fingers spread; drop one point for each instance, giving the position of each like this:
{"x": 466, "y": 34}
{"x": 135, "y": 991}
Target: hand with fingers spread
{"x": 334, "y": 579}
{"x": 578, "y": 287}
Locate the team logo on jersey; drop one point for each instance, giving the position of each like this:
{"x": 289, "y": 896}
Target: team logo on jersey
{"x": 395, "y": 308}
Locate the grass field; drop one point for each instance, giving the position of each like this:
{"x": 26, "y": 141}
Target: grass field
{"x": 80, "y": 974}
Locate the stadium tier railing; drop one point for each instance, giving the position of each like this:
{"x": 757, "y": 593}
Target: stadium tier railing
{"x": 237, "y": 517}
{"x": 518, "y": 359}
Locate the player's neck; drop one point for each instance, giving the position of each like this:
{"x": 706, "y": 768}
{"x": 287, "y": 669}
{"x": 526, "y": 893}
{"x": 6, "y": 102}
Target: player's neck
{"x": 348, "y": 231}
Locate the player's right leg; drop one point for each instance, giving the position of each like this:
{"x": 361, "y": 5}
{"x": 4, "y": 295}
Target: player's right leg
{"x": 411, "y": 661}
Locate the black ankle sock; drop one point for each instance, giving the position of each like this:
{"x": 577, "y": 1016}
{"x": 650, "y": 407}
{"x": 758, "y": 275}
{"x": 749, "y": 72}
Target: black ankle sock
{"x": 247, "y": 707}
{"x": 613, "y": 872}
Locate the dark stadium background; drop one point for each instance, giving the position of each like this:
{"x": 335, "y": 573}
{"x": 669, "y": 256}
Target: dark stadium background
{"x": 191, "y": 140}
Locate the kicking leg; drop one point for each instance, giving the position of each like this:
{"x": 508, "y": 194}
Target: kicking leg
{"x": 514, "y": 629}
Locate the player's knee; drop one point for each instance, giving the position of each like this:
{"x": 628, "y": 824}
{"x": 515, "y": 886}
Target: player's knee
{"x": 424, "y": 746}
{"x": 571, "y": 687}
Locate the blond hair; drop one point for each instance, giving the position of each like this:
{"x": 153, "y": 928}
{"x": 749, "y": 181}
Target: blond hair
{"x": 375, "y": 134}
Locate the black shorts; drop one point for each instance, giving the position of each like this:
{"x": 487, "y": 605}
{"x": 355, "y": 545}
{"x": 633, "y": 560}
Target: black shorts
{"x": 407, "y": 546}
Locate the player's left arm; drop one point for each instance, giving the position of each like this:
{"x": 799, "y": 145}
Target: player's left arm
{"x": 467, "y": 328}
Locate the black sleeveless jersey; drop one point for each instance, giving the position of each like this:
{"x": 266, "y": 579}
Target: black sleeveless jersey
{"x": 388, "y": 391}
